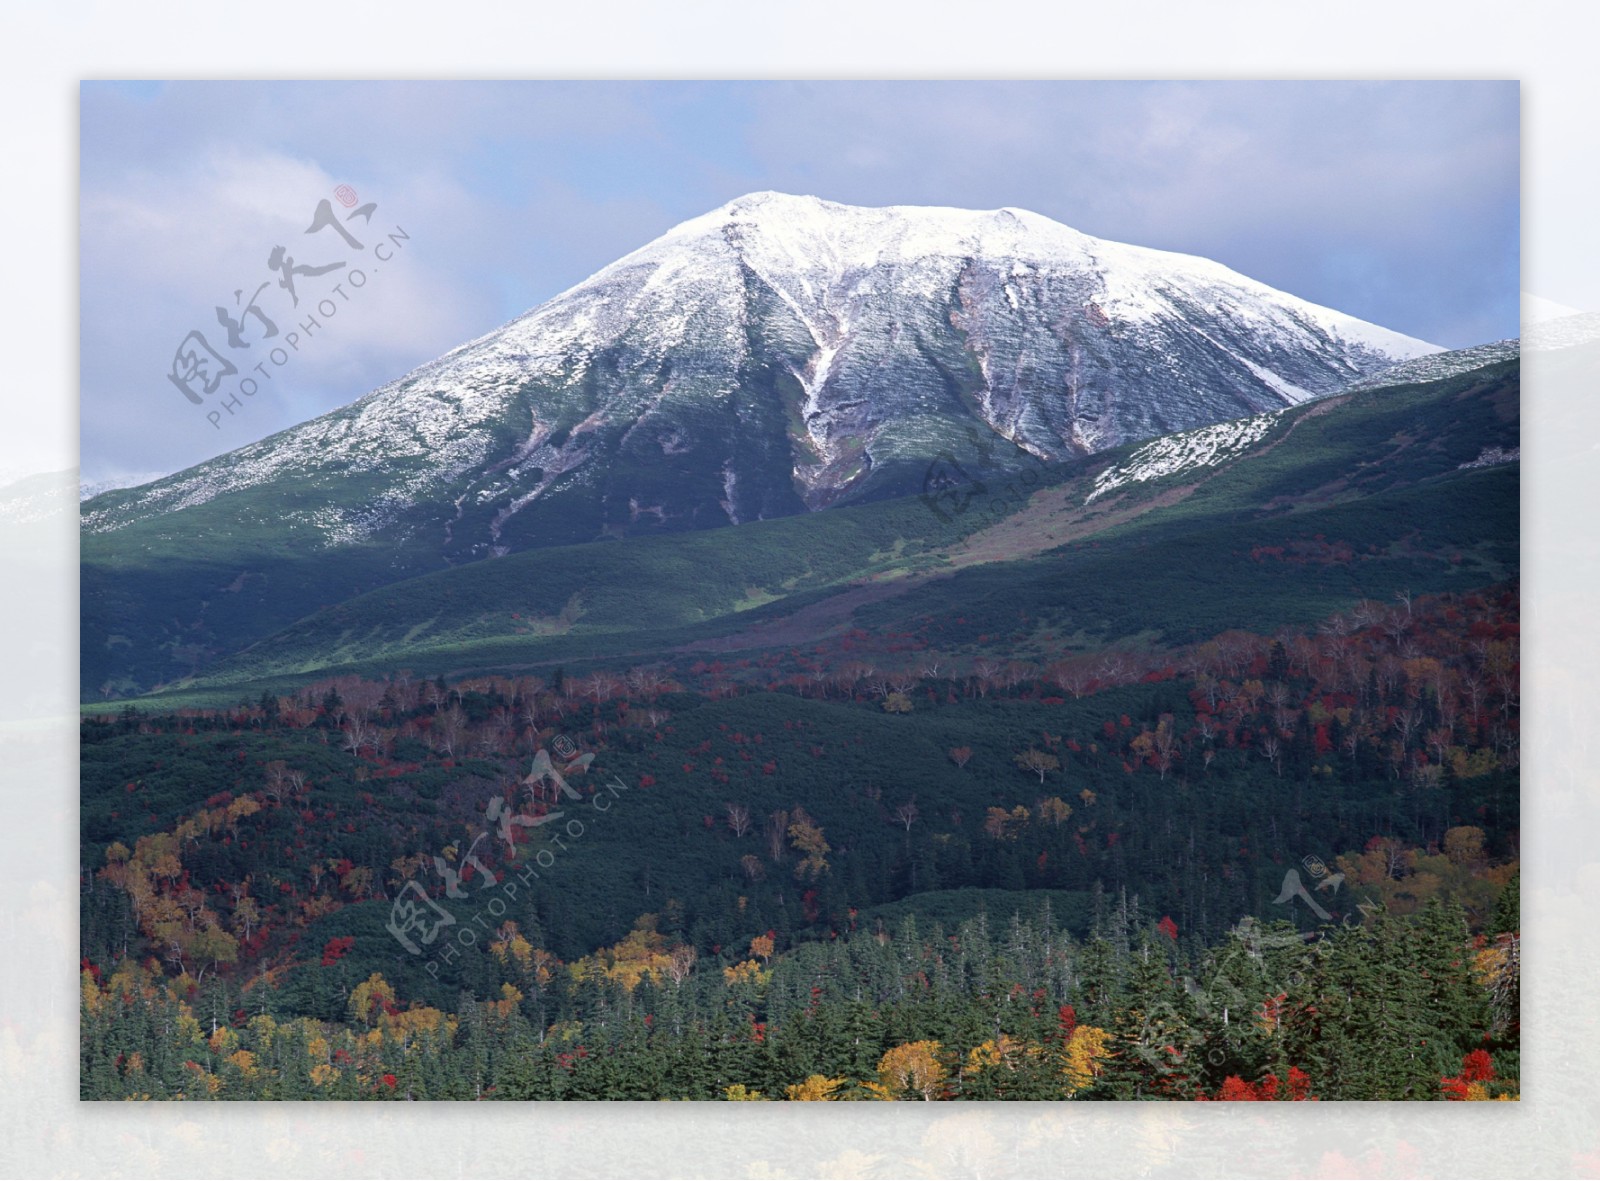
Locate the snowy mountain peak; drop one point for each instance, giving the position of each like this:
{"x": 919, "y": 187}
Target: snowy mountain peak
{"x": 900, "y": 229}
{"x": 784, "y": 236}
{"x": 783, "y": 353}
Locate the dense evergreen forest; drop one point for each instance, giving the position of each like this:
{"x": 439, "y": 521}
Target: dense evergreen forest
{"x": 1254, "y": 867}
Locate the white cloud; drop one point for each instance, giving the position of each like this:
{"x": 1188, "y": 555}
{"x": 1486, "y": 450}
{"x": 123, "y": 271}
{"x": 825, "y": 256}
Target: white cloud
{"x": 162, "y": 250}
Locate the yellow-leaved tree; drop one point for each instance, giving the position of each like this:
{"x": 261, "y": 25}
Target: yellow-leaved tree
{"x": 1086, "y": 1054}
{"x": 806, "y": 836}
{"x": 818, "y": 1088}
{"x": 913, "y": 1070}
{"x": 644, "y": 952}
{"x": 370, "y": 999}
{"x": 746, "y": 972}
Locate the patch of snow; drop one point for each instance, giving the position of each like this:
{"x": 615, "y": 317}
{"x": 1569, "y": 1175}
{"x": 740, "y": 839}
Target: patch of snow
{"x": 1207, "y": 446}
{"x": 1439, "y": 365}
{"x": 1286, "y": 390}
{"x": 1491, "y": 456}
{"x": 730, "y": 483}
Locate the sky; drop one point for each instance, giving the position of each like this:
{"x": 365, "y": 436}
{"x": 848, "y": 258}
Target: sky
{"x": 1396, "y": 202}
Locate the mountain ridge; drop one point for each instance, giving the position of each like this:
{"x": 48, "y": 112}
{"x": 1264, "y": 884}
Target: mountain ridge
{"x": 685, "y": 306}
{"x": 777, "y": 356}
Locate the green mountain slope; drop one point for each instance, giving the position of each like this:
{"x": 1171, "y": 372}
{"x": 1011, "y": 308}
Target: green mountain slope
{"x": 1265, "y": 522}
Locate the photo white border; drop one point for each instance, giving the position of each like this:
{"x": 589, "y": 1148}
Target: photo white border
{"x": 45, "y": 1131}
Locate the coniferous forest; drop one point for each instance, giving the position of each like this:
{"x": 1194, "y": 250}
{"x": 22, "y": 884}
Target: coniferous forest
{"x": 1253, "y": 867}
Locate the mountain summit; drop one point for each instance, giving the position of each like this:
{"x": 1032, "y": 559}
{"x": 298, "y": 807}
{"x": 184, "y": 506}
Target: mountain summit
{"x": 777, "y": 355}
{"x": 785, "y": 353}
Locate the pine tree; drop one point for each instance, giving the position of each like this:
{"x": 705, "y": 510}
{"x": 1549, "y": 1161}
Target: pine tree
{"x": 1099, "y": 982}
{"x": 863, "y": 1038}
{"x": 1154, "y": 1043}
{"x": 1507, "y": 918}
{"x": 1456, "y": 1002}
{"x": 1360, "y": 1020}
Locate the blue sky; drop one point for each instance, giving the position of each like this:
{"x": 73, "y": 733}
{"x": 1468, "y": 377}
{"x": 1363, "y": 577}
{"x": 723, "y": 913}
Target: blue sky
{"x": 1395, "y": 202}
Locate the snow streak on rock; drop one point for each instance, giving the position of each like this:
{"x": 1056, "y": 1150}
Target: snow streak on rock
{"x": 1206, "y": 447}
{"x": 1492, "y": 456}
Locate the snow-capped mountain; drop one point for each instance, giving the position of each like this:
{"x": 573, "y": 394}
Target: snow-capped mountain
{"x": 780, "y": 354}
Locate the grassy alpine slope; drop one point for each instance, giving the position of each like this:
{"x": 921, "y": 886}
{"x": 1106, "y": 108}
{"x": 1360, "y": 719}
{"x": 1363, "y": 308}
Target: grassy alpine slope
{"x": 1273, "y": 521}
